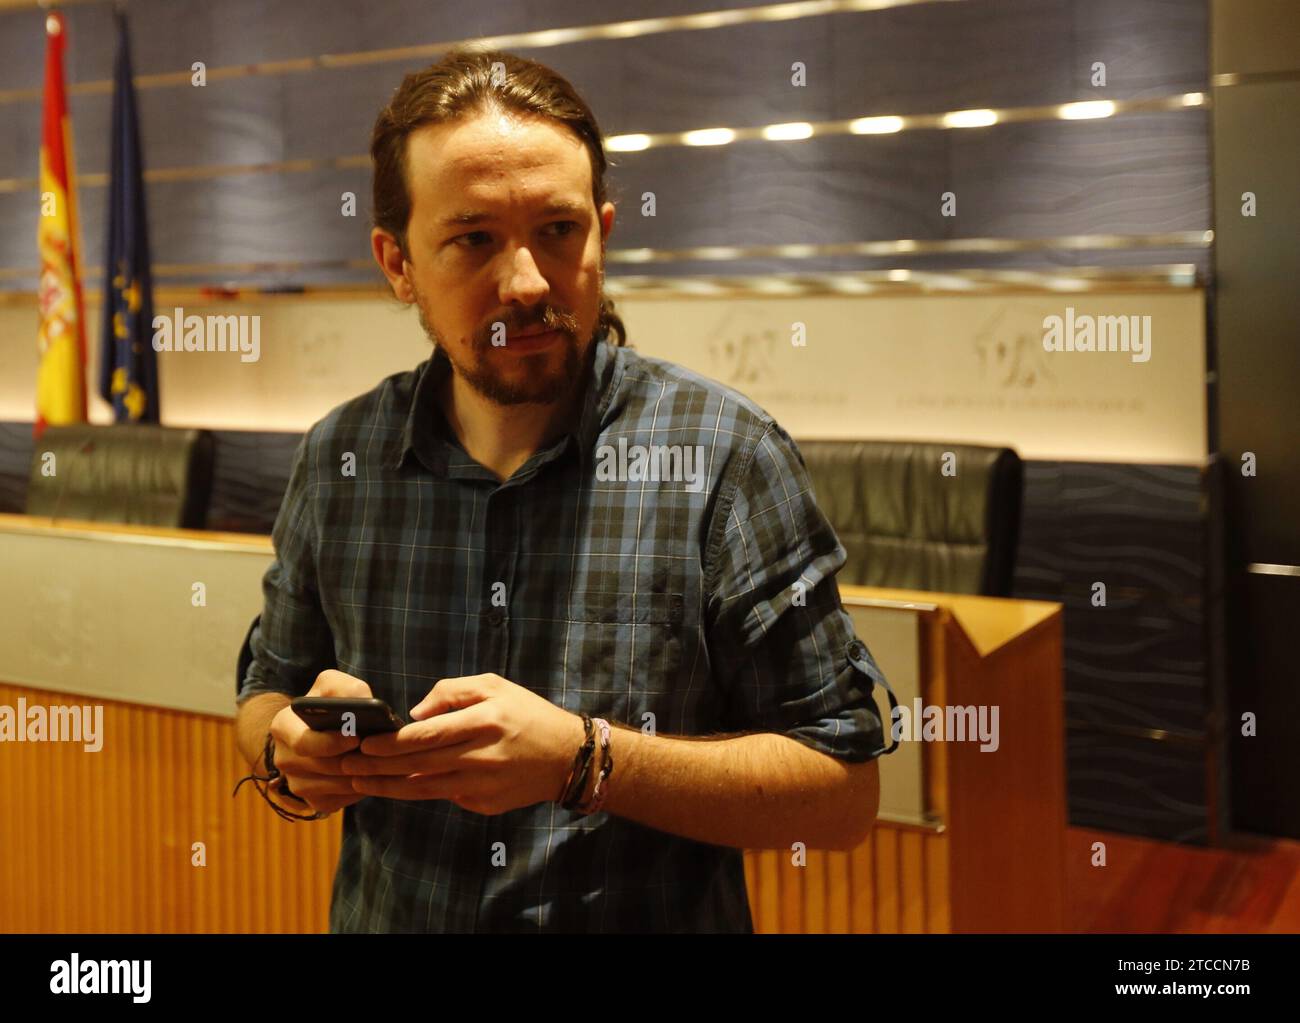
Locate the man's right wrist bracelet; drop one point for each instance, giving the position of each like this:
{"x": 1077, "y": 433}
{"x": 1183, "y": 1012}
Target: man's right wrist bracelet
{"x": 272, "y": 775}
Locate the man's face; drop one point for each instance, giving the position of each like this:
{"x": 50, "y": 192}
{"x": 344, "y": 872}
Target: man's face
{"x": 504, "y": 240}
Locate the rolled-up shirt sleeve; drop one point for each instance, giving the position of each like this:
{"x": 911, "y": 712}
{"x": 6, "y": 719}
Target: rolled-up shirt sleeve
{"x": 292, "y": 643}
{"x": 782, "y": 646}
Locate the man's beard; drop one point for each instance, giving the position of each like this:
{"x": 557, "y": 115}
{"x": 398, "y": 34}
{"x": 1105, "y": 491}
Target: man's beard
{"x": 535, "y": 385}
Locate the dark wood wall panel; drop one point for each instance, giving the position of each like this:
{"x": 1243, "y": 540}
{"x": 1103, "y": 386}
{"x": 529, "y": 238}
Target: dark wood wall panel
{"x": 1139, "y": 735}
{"x": 1137, "y": 786}
{"x": 1135, "y": 174}
{"x": 1130, "y": 175}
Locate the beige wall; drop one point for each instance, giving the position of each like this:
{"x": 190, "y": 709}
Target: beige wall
{"x": 962, "y": 368}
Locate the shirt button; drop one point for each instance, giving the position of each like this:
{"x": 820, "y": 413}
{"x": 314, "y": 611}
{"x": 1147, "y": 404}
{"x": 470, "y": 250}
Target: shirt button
{"x": 496, "y": 616}
{"x": 857, "y": 650}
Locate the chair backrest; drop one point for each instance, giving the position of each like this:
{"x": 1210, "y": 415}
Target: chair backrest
{"x": 910, "y": 517}
{"x": 128, "y": 472}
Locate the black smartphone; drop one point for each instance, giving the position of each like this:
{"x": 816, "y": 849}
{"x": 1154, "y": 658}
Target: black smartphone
{"x": 326, "y": 714}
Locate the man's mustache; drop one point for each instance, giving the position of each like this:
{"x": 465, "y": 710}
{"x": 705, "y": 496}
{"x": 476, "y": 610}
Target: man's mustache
{"x": 552, "y": 320}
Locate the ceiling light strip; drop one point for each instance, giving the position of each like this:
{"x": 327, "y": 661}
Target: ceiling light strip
{"x": 955, "y": 120}
{"x": 720, "y": 253}
{"x": 891, "y": 124}
{"x": 1159, "y": 277}
{"x": 1172, "y": 276}
{"x": 918, "y": 247}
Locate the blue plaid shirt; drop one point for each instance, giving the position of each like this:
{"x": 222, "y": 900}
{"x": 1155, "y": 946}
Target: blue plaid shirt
{"x": 665, "y": 562}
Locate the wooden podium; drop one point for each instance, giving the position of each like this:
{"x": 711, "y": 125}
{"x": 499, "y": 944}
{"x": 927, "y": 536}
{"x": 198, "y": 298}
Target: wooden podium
{"x": 970, "y": 837}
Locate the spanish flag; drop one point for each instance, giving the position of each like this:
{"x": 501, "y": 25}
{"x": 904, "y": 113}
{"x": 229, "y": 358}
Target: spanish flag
{"x": 61, "y": 375}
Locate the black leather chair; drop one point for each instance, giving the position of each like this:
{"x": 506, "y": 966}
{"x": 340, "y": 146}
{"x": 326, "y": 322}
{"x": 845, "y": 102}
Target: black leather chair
{"x": 906, "y": 524}
{"x": 135, "y": 473}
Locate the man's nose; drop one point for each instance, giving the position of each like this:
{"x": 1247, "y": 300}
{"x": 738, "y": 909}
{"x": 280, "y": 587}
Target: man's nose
{"x": 522, "y": 281}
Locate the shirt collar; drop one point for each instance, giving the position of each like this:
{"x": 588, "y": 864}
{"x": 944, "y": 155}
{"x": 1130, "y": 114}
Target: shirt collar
{"x": 425, "y": 431}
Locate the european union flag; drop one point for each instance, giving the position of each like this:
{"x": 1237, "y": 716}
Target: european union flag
{"x": 128, "y": 365}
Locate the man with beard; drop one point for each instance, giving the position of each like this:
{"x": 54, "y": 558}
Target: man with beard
{"x": 614, "y": 686}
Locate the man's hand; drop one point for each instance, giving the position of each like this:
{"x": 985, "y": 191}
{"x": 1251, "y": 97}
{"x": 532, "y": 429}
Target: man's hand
{"x": 311, "y": 762}
{"x": 482, "y": 741}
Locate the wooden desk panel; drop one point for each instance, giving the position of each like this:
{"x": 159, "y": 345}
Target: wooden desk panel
{"x": 103, "y": 842}
{"x": 994, "y": 859}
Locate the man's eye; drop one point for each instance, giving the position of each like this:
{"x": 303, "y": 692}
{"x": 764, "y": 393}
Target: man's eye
{"x": 468, "y": 240}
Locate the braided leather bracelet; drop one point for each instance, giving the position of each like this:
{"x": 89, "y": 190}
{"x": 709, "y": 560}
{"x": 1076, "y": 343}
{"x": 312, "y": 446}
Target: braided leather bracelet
{"x": 273, "y": 773}
{"x": 607, "y": 768}
{"x": 580, "y": 771}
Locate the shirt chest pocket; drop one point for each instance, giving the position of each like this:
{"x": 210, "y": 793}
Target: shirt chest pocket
{"x": 625, "y": 651}
{"x": 627, "y": 609}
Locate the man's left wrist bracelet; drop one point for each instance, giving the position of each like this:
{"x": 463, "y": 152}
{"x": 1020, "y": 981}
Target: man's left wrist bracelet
{"x": 598, "y": 796}
{"x": 579, "y": 772}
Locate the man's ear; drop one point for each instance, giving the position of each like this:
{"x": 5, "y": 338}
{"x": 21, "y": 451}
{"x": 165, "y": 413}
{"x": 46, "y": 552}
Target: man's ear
{"x": 606, "y": 223}
{"x": 388, "y": 254}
